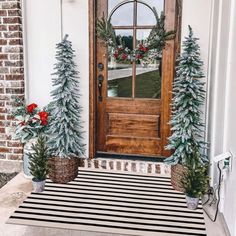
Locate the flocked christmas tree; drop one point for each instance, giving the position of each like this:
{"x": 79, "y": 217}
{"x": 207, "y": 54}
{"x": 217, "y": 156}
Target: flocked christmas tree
{"x": 65, "y": 126}
{"x": 38, "y": 159}
{"x": 188, "y": 97}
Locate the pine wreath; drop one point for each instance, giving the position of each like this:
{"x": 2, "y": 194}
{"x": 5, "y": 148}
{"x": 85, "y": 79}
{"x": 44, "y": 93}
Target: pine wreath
{"x": 149, "y": 50}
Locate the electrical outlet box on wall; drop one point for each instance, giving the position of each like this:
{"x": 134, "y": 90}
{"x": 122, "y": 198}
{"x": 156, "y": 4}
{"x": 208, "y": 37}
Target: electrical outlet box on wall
{"x": 223, "y": 156}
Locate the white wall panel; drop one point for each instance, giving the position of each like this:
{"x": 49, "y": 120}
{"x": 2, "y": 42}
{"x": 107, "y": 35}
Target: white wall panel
{"x": 75, "y": 23}
{"x": 222, "y": 105}
{"x": 43, "y": 20}
{"x": 229, "y": 208}
{"x": 220, "y": 44}
{"x": 42, "y": 32}
{"x": 197, "y": 14}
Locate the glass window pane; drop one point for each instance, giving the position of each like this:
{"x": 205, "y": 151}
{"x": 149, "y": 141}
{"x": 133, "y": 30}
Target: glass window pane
{"x": 145, "y": 15}
{"x": 158, "y": 4}
{"x": 148, "y": 82}
{"x": 123, "y": 16}
{"x": 142, "y": 35}
{"x": 148, "y": 69}
{"x": 112, "y": 4}
{"x": 119, "y": 67}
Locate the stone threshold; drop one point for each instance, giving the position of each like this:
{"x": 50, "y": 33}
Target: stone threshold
{"x": 127, "y": 166}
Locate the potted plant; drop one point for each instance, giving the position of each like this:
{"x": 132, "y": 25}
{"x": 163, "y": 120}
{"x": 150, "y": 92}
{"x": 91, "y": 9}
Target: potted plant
{"x": 195, "y": 183}
{"x": 64, "y": 132}
{"x": 38, "y": 160}
{"x": 30, "y": 121}
{"x": 186, "y": 120}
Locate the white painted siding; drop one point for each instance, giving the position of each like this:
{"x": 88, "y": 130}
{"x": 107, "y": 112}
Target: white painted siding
{"x": 222, "y": 106}
{"x": 229, "y": 206}
{"x": 220, "y": 44}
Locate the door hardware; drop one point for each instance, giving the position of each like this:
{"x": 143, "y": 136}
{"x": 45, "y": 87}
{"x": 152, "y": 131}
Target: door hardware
{"x": 100, "y": 80}
{"x": 100, "y": 66}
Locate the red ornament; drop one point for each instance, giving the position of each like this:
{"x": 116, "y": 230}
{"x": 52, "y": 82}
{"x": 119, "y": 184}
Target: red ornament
{"x": 124, "y": 57}
{"x": 116, "y": 55}
{"x": 143, "y": 48}
{"x": 139, "y": 56}
{"x": 30, "y": 108}
{"x": 43, "y": 117}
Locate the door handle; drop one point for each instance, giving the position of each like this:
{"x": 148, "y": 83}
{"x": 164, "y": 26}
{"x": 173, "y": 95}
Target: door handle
{"x": 100, "y": 80}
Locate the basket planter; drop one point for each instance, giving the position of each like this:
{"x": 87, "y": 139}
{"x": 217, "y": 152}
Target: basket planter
{"x": 177, "y": 173}
{"x": 63, "y": 170}
{"x": 192, "y": 202}
{"x": 38, "y": 185}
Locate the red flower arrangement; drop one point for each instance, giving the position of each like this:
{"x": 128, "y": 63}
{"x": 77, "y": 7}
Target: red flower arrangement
{"x": 141, "y": 52}
{"x": 139, "y": 56}
{"x": 30, "y": 108}
{"x": 121, "y": 54}
{"x": 30, "y": 121}
{"x": 124, "y": 57}
{"x": 142, "y": 48}
{"x": 43, "y": 117}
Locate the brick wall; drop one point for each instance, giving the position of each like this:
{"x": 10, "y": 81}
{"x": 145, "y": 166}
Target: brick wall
{"x": 11, "y": 75}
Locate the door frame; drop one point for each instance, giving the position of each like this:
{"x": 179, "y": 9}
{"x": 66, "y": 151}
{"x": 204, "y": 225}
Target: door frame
{"x": 92, "y": 74}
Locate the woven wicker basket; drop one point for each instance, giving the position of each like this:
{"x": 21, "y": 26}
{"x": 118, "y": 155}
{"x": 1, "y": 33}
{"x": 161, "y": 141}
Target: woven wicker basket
{"x": 63, "y": 170}
{"x": 177, "y": 173}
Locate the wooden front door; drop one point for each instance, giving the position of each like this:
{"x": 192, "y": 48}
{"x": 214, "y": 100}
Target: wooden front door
{"x": 133, "y": 96}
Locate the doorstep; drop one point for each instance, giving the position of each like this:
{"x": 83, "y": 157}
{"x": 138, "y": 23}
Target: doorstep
{"x": 126, "y": 166}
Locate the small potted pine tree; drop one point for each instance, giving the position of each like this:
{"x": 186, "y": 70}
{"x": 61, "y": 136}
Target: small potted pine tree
{"x": 38, "y": 159}
{"x": 186, "y": 140}
{"x": 65, "y": 131}
{"x": 195, "y": 183}
{"x": 30, "y": 121}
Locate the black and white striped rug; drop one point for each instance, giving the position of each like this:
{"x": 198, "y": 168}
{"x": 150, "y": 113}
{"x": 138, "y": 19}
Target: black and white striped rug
{"x": 112, "y": 203}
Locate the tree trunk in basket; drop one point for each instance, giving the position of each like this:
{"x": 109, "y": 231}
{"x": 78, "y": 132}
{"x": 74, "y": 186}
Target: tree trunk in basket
{"x": 177, "y": 173}
{"x": 63, "y": 170}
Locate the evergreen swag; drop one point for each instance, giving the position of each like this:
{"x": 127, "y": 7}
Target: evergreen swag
{"x": 65, "y": 129}
{"x": 188, "y": 97}
{"x": 148, "y": 50}
{"x": 38, "y": 160}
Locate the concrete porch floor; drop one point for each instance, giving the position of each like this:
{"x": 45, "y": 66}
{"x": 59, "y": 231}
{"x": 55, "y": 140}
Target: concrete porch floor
{"x": 13, "y": 194}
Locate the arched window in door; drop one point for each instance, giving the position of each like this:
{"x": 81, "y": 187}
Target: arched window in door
{"x": 133, "y": 21}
